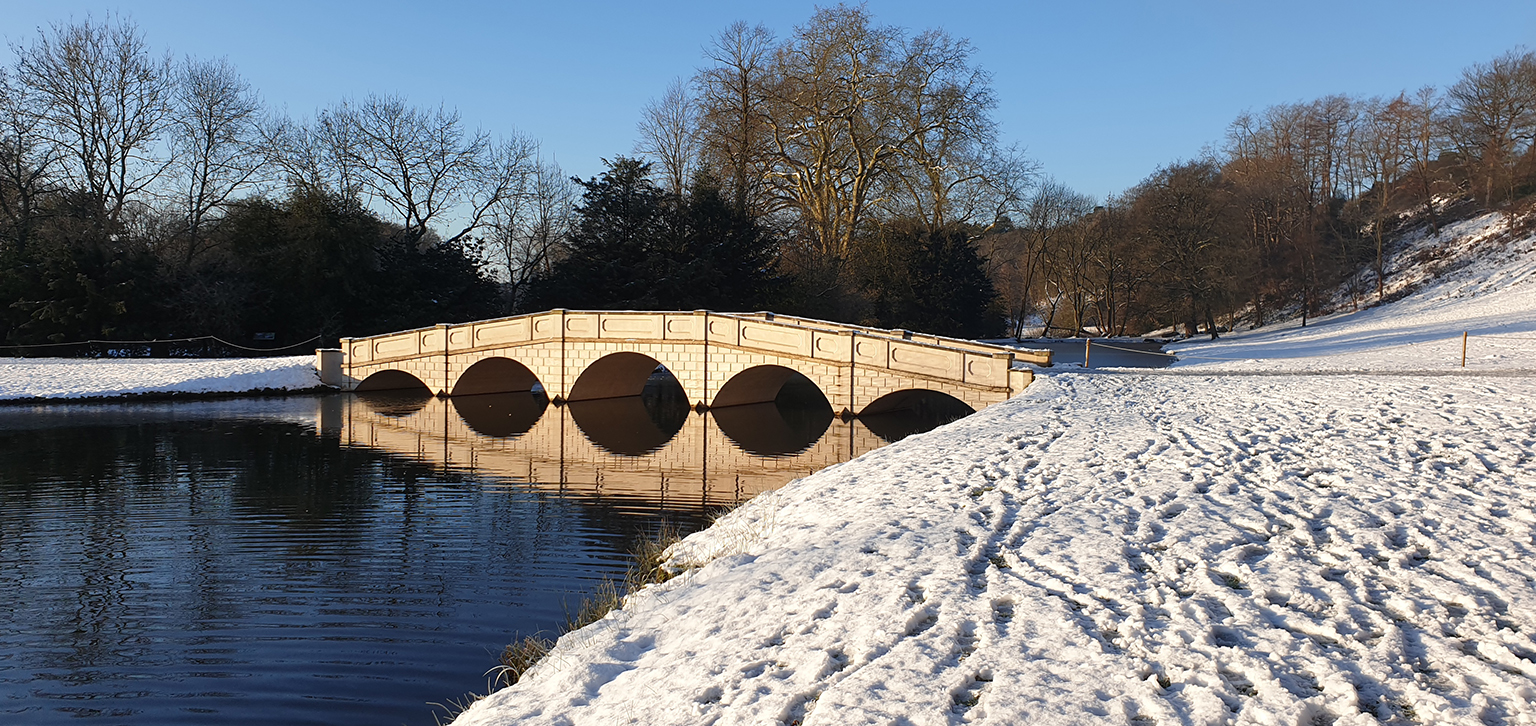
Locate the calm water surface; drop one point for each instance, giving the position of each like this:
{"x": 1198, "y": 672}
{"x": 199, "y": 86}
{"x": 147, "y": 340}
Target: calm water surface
{"x": 342, "y": 560}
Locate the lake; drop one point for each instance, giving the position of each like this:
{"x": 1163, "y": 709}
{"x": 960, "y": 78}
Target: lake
{"x": 343, "y": 559}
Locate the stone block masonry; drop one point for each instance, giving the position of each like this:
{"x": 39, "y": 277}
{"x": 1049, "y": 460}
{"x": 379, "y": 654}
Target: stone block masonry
{"x": 717, "y": 358}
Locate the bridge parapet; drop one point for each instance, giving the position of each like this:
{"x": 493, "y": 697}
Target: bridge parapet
{"x": 1039, "y": 357}
{"x": 852, "y": 364}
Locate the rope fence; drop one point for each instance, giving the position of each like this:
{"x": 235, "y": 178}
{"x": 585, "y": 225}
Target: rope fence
{"x": 204, "y": 346}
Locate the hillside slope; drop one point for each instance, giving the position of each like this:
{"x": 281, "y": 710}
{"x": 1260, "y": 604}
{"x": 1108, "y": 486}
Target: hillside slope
{"x": 1477, "y": 276}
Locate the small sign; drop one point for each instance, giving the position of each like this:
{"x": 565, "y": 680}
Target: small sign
{"x": 265, "y": 336}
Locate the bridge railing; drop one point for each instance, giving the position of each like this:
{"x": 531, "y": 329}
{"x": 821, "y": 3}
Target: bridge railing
{"x": 838, "y": 343}
{"x": 1037, "y": 357}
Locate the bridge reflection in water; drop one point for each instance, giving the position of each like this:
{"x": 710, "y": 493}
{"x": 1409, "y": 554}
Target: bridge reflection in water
{"x": 640, "y": 453}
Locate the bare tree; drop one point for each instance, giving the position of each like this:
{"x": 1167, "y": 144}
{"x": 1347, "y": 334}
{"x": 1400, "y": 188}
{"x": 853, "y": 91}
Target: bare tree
{"x": 1493, "y": 117}
{"x": 419, "y": 164}
{"x": 1181, "y": 212}
{"x": 1331, "y": 124}
{"x": 1007, "y": 177}
{"x": 1121, "y": 269}
{"x": 1384, "y": 149}
{"x": 27, "y": 163}
{"x": 528, "y": 230}
{"x": 1020, "y": 261}
{"x": 309, "y": 154}
{"x": 1287, "y": 168}
{"x": 1059, "y": 244}
{"x": 103, "y": 99}
{"x": 215, "y": 138}
{"x": 848, "y": 121}
{"x": 832, "y": 124}
{"x": 943, "y": 102}
{"x": 1425, "y": 144}
{"x": 669, "y": 133}
{"x": 732, "y": 131}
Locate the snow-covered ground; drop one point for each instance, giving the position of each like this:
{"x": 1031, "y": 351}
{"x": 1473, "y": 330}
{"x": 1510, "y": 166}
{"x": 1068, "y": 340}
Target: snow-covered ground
{"x": 1348, "y": 537}
{"x": 26, "y": 378}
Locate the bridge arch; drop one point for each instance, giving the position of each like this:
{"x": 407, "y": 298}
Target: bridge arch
{"x": 760, "y": 384}
{"x": 917, "y": 399}
{"x": 391, "y": 379}
{"x": 495, "y": 375}
{"x": 615, "y": 375}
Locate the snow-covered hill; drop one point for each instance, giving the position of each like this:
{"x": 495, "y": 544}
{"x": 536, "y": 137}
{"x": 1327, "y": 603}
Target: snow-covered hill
{"x": 1340, "y": 539}
{"x": 1474, "y": 277}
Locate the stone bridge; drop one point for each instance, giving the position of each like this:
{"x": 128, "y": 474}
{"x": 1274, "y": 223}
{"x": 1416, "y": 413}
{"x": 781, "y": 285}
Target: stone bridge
{"x": 719, "y": 359}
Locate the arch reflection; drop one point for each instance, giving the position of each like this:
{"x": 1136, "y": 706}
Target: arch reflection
{"x": 634, "y": 425}
{"x": 396, "y": 402}
{"x": 643, "y": 454}
{"x": 501, "y": 415}
{"x": 898, "y": 415}
{"x": 794, "y": 420}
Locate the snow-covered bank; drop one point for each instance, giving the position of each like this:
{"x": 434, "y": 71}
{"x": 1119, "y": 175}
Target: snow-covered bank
{"x": 67, "y": 378}
{"x": 1116, "y": 548}
{"x": 1176, "y": 547}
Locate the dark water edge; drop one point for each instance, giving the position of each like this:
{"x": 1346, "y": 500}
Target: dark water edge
{"x": 241, "y": 560}
{"x": 152, "y": 580}
{"x": 1105, "y": 352}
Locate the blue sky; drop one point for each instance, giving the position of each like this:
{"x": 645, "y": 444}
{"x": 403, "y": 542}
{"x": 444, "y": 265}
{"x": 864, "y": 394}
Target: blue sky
{"x": 1101, "y": 93}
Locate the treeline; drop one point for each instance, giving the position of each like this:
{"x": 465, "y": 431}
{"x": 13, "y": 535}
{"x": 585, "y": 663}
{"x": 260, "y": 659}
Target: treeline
{"x": 861, "y": 160}
{"x": 841, "y": 172}
{"x": 1298, "y": 203}
{"x": 848, "y": 170}
{"x": 872, "y": 156}
{"x": 147, "y": 197}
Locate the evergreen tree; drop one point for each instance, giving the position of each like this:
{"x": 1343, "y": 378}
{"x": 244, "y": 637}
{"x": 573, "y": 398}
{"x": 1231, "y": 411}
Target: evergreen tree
{"x": 638, "y": 247}
{"x": 613, "y": 252}
{"x": 932, "y": 281}
{"x": 321, "y": 264}
{"x": 728, "y": 261}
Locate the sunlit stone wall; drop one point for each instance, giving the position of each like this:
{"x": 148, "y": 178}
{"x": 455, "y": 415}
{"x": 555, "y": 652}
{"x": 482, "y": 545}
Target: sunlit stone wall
{"x": 853, "y": 366}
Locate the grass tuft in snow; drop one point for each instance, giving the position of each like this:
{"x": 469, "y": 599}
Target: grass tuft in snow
{"x": 455, "y": 706}
{"x": 521, "y": 655}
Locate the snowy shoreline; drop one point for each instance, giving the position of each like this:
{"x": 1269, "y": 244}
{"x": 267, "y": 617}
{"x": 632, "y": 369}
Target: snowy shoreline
{"x": 1331, "y": 524}
{"x": 159, "y": 396}
{"x": 1117, "y": 548}
{"x": 44, "y": 380}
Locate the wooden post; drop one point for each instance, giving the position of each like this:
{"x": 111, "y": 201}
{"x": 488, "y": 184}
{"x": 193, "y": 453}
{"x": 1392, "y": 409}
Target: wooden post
{"x": 1087, "y": 351}
{"x": 1463, "y": 349}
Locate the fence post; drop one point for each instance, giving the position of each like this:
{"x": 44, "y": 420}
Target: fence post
{"x": 1463, "y": 349}
{"x": 1087, "y": 351}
